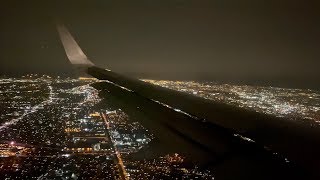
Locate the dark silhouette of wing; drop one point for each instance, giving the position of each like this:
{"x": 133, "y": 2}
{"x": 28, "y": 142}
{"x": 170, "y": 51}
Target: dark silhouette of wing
{"x": 235, "y": 143}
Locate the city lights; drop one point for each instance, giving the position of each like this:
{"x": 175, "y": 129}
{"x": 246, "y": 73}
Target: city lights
{"x": 56, "y": 127}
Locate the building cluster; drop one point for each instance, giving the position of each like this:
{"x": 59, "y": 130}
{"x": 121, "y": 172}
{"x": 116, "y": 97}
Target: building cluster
{"x": 171, "y": 166}
{"x": 129, "y": 137}
{"x": 10, "y": 149}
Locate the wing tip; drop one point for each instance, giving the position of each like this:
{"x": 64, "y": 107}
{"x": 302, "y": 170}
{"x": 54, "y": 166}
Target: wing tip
{"x": 71, "y": 47}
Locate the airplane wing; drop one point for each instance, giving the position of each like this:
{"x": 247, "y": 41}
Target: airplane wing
{"x": 73, "y": 51}
{"x": 232, "y": 141}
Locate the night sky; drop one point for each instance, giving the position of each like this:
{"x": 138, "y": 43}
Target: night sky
{"x": 256, "y": 42}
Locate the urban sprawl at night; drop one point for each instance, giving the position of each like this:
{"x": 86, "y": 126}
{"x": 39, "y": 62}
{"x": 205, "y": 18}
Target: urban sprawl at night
{"x": 57, "y": 128}
{"x": 295, "y": 104}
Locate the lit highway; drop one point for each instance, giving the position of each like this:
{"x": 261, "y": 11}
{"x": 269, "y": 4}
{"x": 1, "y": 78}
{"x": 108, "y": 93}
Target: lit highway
{"x": 119, "y": 162}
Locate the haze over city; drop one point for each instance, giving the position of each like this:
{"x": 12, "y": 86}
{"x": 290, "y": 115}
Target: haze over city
{"x": 254, "y": 42}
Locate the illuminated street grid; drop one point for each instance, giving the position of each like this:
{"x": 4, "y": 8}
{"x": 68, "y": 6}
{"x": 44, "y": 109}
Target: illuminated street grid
{"x": 282, "y": 102}
{"x": 51, "y": 128}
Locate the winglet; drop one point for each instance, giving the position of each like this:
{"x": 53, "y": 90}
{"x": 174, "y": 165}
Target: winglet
{"x": 72, "y": 49}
